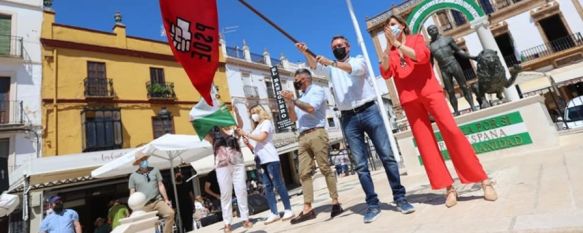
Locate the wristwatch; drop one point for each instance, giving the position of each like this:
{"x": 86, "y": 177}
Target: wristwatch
{"x": 334, "y": 63}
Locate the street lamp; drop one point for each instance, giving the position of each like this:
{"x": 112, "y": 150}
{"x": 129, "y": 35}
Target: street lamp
{"x": 165, "y": 116}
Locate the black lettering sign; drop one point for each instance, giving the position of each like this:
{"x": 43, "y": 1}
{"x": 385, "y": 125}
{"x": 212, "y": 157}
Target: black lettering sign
{"x": 283, "y": 121}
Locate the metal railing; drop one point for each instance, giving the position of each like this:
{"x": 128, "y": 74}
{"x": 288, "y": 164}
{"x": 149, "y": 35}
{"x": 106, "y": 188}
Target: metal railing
{"x": 160, "y": 90}
{"x": 275, "y": 62}
{"x": 11, "y": 112}
{"x": 11, "y": 46}
{"x": 469, "y": 74}
{"x": 547, "y": 49}
{"x": 258, "y": 58}
{"x": 511, "y": 60}
{"x": 250, "y": 91}
{"x": 235, "y": 52}
{"x": 501, "y": 4}
{"x": 98, "y": 87}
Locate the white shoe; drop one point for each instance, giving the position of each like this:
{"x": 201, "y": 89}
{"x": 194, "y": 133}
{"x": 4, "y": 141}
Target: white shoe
{"x": 272, "y": 218}
{"x": 287, "y": 215}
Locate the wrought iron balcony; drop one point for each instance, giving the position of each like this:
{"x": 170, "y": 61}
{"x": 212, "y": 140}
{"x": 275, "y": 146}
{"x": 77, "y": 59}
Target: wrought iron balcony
{"x": 552, "y": 47}
{"x": 98, "y": 88}
{"x": 511, "y": 60}
{"x": 11, "y": 46}
{"x": 11, "y": 112}
{"x": 235, "y": 52}
{"x": 162, "y": 91}
{"x": 258, "y": 58}
{"x": 250, "y": 91}
{"x": 470, "y": 74}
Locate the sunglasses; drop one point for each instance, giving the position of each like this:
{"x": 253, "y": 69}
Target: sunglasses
{"x": 147, "y": 176}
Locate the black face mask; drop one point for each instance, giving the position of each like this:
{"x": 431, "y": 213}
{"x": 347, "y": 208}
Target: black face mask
{"x": 58, "y": 208}
{"x": 339, "y": 53}
{"x": 179, "y": 179}
{"x": 298, "y": 85}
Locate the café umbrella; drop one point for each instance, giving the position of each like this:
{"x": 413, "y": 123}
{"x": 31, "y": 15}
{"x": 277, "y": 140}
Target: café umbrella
{"x": 165, "y": 152}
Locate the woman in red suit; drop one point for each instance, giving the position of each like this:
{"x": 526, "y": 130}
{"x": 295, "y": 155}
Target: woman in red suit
{"x": 407, "y": 60}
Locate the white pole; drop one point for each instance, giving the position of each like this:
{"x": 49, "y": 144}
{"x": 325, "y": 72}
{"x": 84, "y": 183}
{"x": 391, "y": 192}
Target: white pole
{"x": 373, "y": 81}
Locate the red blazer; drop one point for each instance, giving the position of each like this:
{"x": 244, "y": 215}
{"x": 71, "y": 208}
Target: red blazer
{"x": 416, "y": 78}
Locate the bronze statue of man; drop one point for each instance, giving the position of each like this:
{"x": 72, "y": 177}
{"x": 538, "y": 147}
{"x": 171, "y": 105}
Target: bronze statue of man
{"x": 443, "y": 49}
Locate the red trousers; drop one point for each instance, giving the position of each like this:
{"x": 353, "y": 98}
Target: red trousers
{"x": 462, "y": 154}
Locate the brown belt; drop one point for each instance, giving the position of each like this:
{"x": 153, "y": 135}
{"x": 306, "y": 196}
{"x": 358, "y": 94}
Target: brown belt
{"x": 309, "y": 131}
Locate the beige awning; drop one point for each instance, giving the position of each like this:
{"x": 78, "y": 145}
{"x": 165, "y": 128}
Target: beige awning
{"x": 567, "y": 73}
{"x": 532, "y": 81}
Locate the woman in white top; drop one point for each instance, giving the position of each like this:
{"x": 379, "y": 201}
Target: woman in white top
{"x": 265, "y": 151}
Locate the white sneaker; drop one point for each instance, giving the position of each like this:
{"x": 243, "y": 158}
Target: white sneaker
{"x": 272, "y": 218}
{"x": 287, "y": 214}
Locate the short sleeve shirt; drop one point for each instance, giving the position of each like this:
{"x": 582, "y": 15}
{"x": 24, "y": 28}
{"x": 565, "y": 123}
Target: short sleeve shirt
{"x": 265, "y": 149}
{"x": 116, "y": 213}
{"x": 63, "y": 222}
{"x": 146, "y": 183}
{"x": 316, "y": 97}
{"x": 353, "y": 89}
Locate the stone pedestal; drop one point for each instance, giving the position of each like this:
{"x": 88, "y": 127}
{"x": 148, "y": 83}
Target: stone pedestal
{"x": 510, "y": 129}
{"x": 139, "y": 221}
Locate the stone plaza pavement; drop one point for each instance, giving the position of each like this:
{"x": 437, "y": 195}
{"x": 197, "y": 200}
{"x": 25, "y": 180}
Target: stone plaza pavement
{"x": 539, "y": 191}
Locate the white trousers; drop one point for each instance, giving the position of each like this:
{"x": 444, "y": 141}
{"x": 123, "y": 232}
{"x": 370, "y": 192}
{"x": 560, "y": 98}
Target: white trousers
{"x": 229, "y": 176}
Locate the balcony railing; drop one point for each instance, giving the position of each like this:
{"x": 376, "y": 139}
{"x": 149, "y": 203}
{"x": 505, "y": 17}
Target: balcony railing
{"x": 501, "y": 4}
{"x": 552, "y": 47}
{"x": 469, "y": 74}
{"x": 257, "y": 58}
{"x": 11, "y": 46}
{"x": 11, "y": 112}
{"x": 235, "y": 52}
{"x": 511, "y": 60}
{"x": 164, "y": 90}
{"x": 98, "y": 88}
{"x": 275, "y": 62}
{"x": 250, "y": 91}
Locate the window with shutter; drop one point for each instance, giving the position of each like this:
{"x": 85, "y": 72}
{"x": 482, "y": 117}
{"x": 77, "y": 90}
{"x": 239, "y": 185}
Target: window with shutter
{"x": 5, "y": 34}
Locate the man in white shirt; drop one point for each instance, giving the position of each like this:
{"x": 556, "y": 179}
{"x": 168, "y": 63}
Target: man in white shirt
{"x": 310, "y": 112}
{"x": 355, "y": 98}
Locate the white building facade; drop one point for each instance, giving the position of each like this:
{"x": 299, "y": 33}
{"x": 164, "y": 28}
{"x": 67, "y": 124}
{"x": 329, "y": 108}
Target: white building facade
{"x": 20, "y": 84}
{"x": 250, "y": 83}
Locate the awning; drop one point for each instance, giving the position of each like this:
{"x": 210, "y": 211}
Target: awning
{"x": 532, "y": 81}
{"x": 567, "y": 73}
{"x": 61, "y": 168}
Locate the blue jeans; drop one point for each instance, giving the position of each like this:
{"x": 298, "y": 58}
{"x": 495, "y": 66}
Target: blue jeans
{"x": 272, "y": 179}
{"x": 369, "y": 121}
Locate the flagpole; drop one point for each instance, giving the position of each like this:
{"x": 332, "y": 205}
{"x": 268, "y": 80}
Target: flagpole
{"x": 374, "y": 83}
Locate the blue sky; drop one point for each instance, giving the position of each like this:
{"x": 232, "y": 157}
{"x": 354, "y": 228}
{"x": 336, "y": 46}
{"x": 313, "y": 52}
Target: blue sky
{"x": 311, "y": 21}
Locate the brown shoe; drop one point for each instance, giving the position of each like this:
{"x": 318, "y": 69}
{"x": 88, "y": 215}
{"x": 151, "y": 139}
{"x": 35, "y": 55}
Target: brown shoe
{"x": 450, "y": 198}
{"x": 303, "y": 217}
{"x": 336, "y": 210}
{"x": 489, "y": 192}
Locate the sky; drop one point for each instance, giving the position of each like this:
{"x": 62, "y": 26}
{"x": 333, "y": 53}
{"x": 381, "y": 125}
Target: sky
{"x": 311, "y": 21}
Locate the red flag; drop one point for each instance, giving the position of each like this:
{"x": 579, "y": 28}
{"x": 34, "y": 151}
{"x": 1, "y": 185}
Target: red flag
{"x": 192, "y": 30}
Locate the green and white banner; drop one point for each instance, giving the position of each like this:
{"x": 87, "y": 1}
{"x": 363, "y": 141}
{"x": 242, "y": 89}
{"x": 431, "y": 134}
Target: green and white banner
{"x": 491, "y": 134}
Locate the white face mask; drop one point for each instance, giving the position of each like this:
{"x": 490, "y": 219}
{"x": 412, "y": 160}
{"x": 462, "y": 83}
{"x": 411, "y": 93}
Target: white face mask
{"x": 255, "y": 117}
{"x": 396, "y": 30}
